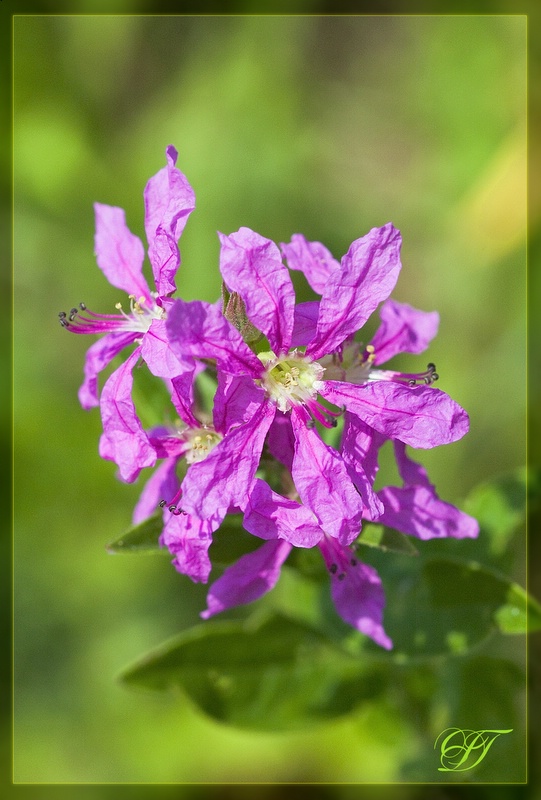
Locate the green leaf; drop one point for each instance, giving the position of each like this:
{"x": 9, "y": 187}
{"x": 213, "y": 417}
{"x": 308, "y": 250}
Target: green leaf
{"x": 500, "y": 508}
{"x": 277, "y": 675}
{"x": 231, "y": 541}
{"x": 386, "y": 539}
{"x": 143, "y": 538}
{"x": 469, "y": 584}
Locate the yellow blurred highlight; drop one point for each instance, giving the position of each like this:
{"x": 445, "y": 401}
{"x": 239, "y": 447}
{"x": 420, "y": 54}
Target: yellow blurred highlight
{"x": 492, "y": 217}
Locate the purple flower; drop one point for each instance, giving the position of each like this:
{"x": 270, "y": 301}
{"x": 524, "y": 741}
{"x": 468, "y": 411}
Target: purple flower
{"x": 356, "y": 588}
{"x": 286, "y": 380}
{"x": 169, "y": 200}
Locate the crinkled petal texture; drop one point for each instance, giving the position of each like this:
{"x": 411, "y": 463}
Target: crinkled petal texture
{"x": 367, "y": 275}
{"x": 416, "y": 508}
{"x": 169, "y": 201}
{"x": 356, "y": 591}
{"x": 403, "y": 329}
{"x": 98, "y": 356}
{"x": 124, "y": 440}
{"x": 323, "y": 483}
{"x": 361, "y": 459}
{"x": 161, "y": 360}
{"x": 236, "y": 401}
{"x": 223, "y": 478}
{"x": 418, "y": 511}
{"x": 188, "y": 539}
{"x": 252, "y": 266}
{"x": 271, "y": 516}
{"x": 420, "y": 416}
{"x": 120, "y": 254}
{"x": 311, "y": 258}
{"x": 305, "y": 323}
{"x": 162, "y": 484}
{"x": 252, "y": 576}
{"x": 199, "y": 329}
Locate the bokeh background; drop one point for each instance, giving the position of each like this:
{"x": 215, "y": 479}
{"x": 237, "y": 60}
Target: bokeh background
{"x": 315, "y": 124}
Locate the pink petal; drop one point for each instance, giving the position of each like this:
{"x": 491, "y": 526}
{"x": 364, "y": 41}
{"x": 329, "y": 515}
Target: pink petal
{"x": 162, "y": 485}
{"x": 120, "y": 254}
{"x": 420, "y": 416}
{"x": 418, "y": 511}
{"x": 367, "y": 275}
{"x": 252, "y": 576}
{"x": 169, "y": 201}
{"x": 189, "y": 539}
{"x": 199, "y": 329}
{"x": 98, "y": 356}
{"x": 223, "y": 479}
{"x": 271, "y": 516}
{"x": 311, "y": 258}
{"x": 252, "y": 266}
{"x": 323, "y": 483}
{"x": 403, "y": 329}
{"x": 128, "y": 443}
{"x": 357, "y": 592}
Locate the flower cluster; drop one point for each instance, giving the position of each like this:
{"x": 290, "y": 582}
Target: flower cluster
{"x": 301, "y": 406}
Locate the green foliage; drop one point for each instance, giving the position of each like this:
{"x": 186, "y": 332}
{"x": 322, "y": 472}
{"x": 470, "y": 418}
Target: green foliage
{"x": 293, "y": 662}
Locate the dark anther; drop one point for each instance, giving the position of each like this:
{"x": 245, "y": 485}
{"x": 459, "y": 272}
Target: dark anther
{"x": 82, "y": 306}
{"x": 341, "y": 576}
{"x": 333, "y": 569}
{"x": 310, "y": 423}
{"x": 435, "y": 376}
{"x": 412, "y": 383}
{"x": 334, "y": 423}
{"x": 73, "y": 314}
{"x": 431, "y": 367}
{"x": 62, "y": 314}
{"x": 172, "y": 509}
{"x": 64, "y": 323}
{"x": 163, "y": 503}
{"x": 353, "y": 562}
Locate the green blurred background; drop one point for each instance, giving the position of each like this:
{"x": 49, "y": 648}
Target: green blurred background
{"x": 315, "y": 124}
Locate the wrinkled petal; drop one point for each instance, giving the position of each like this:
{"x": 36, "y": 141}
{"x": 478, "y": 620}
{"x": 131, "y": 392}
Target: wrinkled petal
{"x": 367, "y": 275}
{"x": 182, "y": 396}
{"x": 236, "y": 401}
{"x": 120, "y": 254}
{"x": 252, "y": 266}
{"x": 129, "y": 445}
{"x": 412, "y": 473}
{"x": 311, "y": 258}
{"x": 323, "y": 483}
{"x": 356, "y": 591}
{"x": 418, "y": 511}
{"x": 304, "y": 323}
{"x": 161, "y": 360}
{"x": 199, "y": 329}
{"x": 420, "y": 416}
{"x": 188, "y": 539}
{"x": 403, "y": 329}
{"x": 416, "y": 508}
{"x": 98, "y": 356}
{"x": 169, "y": 201}
{"x": 223, "y": 478}
{"x": 271, "y": 516}
{"x": 162, "y": 485}
{"x": 281, "y": 440}
{"x": 252, "y": 576}
{"x": 359, "y": 448}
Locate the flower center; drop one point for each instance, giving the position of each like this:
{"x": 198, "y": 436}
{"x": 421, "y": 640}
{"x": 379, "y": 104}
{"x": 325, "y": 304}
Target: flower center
{"x": 291, "y": 381}
{"x": 201, "y": 442}
{"x": 294, "y": 381}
